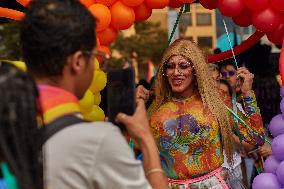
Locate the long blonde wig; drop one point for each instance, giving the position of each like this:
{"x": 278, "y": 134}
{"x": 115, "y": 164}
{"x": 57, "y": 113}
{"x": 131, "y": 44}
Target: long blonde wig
{"x": 209, "y": 94}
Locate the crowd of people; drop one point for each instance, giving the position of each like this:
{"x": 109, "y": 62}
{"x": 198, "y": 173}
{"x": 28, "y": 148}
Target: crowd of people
{"x": 191, "y": 135}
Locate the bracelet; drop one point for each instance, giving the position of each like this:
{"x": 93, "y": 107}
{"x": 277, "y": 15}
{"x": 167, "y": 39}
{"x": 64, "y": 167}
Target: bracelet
{"x": 153, "y": 171}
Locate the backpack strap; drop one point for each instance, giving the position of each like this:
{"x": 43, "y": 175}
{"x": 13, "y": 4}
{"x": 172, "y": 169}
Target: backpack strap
{"x": 47, "y": 131}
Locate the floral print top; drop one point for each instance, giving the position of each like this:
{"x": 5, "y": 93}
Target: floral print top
{"x": 188, "y": 136}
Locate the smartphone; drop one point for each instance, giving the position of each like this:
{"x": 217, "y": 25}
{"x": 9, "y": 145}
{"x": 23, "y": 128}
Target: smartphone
{"x": 120, "y": 93}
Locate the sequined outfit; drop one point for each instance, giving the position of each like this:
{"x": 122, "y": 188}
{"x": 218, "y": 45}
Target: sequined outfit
{"x": 188, "y": 136}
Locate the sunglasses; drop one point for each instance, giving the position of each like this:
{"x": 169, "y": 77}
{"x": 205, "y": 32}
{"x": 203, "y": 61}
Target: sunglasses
{"x": 229, "y": 73}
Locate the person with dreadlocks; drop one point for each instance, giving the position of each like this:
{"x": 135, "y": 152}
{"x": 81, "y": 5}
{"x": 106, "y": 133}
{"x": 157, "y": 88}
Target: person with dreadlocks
{"x": 18, "y": 129}
{"x": 190, "y": 122}
{"x": 59, "y": 47}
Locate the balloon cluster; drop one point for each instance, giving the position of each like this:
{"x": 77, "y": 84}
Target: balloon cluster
{"x": 266, "y": 15}
{"x": 273, "y": 176}
{"x": 89, "y": 104}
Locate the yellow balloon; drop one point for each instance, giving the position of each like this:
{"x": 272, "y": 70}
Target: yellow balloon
{"x": 97, "y": 98}
{"x": 19, "y": 64}
{"x": 99, "y": 81}
{"x": 96, "y": 64}
{"x": 87, "y": 101}
{"x": 96, "y": 114}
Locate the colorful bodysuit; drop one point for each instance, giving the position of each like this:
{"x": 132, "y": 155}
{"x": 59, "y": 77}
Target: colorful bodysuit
{"x": 188, "y": 136}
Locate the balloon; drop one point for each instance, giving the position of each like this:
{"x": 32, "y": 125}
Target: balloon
{"x": 97, "y": 98}
{"x": 175, "y": 3}
{"x": 87, "y": 3}
{"x": 231, "y": 7}
{"x": 96, "y": 65}
{"x": 281, "y": 67}
{"x": 278, "y": 4}
{"x": 98, "y": 42}
{"x": 282, "y": 92}
{"x": 280, "y": 173}
{"x": 96, "y": 114}
{"x": 99, "y": 81}
{"x": 106, "y": 2}
{"x": 282, "y": 107}
{"x": 156, "y": 4}
{"x": 142, "y": 12}
{"x": 276, "y": 35}
{"x": 122, "y": 16}
{"x": 107, "y": 36}
{"x": 187, "y": 1}
{"x": 276, "y": 125}
{"x": 102, "y": 13}
{"x": 256, "y": 4}
{"x": 266, "y": 20}
{"x": 244, "y": 18}
{"x": 266, "y": 181}
{"x": 271, "y": 164}
{"x": 209, "y": 4}
{"x": 24, "y": 2}
{"x": 278, "y": 147}
{"x": 103, "y": 53}
{"x": 20, "y": 65}
{"x": 87, "y": 101}
{"x": 132, "y": 3}
{"x": 12, "y": 14}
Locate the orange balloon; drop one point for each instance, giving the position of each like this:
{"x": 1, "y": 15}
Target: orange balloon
{"x": 102, "y": 13}
{"x": 122, "y": 16}
{"x": 24, "y": 2}
{"x": 98, "y": 42}
{"x": 107, "y": 36}
{"x": 87, "y": 3}
{"x": 132, "y": 3}
{"x": 157, "y": 4}
{"x": 104, "y": 51}
{"x": 176, "y": 3}
{"x": 106, "y": 2}
{"x": 12, "y": 14}
{"x": 187, "y": 1}
{"x": 142, "y": 12}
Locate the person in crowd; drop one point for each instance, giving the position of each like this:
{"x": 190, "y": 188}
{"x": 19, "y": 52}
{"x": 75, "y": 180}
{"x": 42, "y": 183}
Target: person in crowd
{"x": 19, "y": 150}
{"x": 190, "y": 121}
{"x": 59, "y": 46}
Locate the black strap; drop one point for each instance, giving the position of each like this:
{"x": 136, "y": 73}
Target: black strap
{"x": 47, "y": 131}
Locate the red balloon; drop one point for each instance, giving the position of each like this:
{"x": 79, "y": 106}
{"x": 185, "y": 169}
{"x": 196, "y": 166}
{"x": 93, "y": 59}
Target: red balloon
{"x": 266, "y": 20}
{"x": 209, "y": 4}
{"x": 278, "y": 4}
{"x": 244, "y": 19}
{"x": 142, "y": 12}
{"x": 256, "y": 4}
{"x": 231, "y": 7}
{"x": 122, "y": 16}
{"x": 276, "y": 36}
{"x": 132, "y": 3}
{"x": 187, "y": 1}
{"x": 25, "y": 3}
{"x": 107, "y": 36}
{"x": 102, "y": 13}
{"x": 156, "y": 4}
{"x": 106, "y": 2}
{"x": 175, "y": 3}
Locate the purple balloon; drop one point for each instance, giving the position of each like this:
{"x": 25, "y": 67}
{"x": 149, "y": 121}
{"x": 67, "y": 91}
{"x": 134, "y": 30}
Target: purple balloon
{"x": 266, "y": 181}
{"x": 282, "y": 92}
{"x": 276, "y": 125}
{"x": 282, "y": 106}
{"x": 280, "y": 173}
{"x": 278, "y": 147}
{"x": 271, "y": 164}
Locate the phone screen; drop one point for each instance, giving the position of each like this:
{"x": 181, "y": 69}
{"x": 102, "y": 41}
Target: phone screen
{"x": 120, "y": 93}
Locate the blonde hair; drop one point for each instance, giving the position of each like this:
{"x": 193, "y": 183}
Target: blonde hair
{"x": 210, "y": 96}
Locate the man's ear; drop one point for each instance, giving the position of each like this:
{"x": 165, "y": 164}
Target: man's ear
{"x": 77, "y": 62}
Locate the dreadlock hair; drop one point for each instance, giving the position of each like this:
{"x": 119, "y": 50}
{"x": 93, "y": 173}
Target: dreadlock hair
{"x": 18, "y": 126}
{"x": 210, "y": 97}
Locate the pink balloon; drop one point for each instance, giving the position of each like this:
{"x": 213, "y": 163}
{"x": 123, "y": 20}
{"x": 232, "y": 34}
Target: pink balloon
{"x": 209, "y": 4}
{"x": 231, "y": 7}
{"x": 276, "y": 36}
{"x": 244, "y": 18}
{"x": 256, "y": 4}
{"x": 266, "y": 20}
{"x": 278, "y": 4}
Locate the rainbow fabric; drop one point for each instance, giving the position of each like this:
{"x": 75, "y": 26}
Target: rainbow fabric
{"x": 56, "y": 102}
{"x": 188, "y": 137}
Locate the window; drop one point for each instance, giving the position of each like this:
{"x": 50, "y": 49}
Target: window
{"x": 203, "y": 19}
{"x": 186, "y": 19}
{"x": 205, "y": 41}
